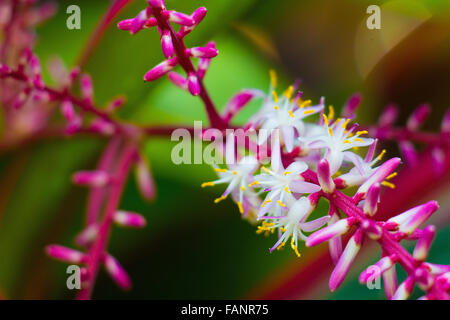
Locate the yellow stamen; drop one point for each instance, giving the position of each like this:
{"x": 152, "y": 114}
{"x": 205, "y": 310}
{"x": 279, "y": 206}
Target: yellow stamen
{"x": 283, "y": 229}
{"x": 253, "y": 183}
{"x": 330, "y": 131}
{"x": 207, "y": 184}
{"x": 286, "y": 173}
{"x": 381, "y": 155}
{"x": 281, "y": 203}
{"x": 287, "y": 190}
{"x": 344, "y": 125}
{"x": 275, "y": 107}
{"x": 331, "y": 112}
{"x": 358, "y": 140}
{"x": 273, "y": 78}
{"x": 325, "y": 119}
{"x": 220, "y": 170}
{"x": 281, "y": 245}
{"x": 308, "y": 112}
{"x": 294, "y": 247}
{"x": 275, "y": 96}
{"x": 291, "y": 114}
{"x": 361, "y": 132}
{"x": 235, "y": 172}
{"x": 288, "y": 92}
{"x": 391, "y": 176}
{"x": 242, "y": 188}
{"x": 265, "y": 169}
{"x": 388, "y": 184}
{"x": 241, "y": 209}
{"x": 220, "y": 199}
{"x": 305, "y": 103}
{"x": 265, "y": 202}
{"x": 346, "y": 141}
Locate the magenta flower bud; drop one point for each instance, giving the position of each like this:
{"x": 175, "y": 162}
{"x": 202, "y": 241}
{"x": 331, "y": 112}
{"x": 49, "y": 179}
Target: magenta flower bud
{"x": 390, "y": 282}
{"x": 167, "y": 45}
{"x": 329, "y": 232}
{"x": 351, "y": 106}
{"x": 144, "y": 180}
{"x": 87, "y": 89}
{"x": 157, "y": 4}
{"x": 129, "y": 219}
{"x": 73, "y": 75}
{"x": 373, "y": 230}
{"x": 67, "y": 110}
{"x": 193, "y": 84}
{"x": 161, "y": 69}
{"x": 371, "y": 201}
{"x": 102, "y": 126}
{"x": 199, "y": 15}
{"x": 178, "y": 80}
{"x": 379, "y": 175}
{"x": 377, "y": 269}
{"x": 408, "y": 221}
{"x": 202, "y": 67}
{"x": 445, "y": 126}
{"x": 409, "y": 153}
{"x": 20, "y": 100}
{"x": 346, "y": 260}
{"x": 388, "y": 116}
{"x": 436, "y": 268}
{"x": 139, "y": 22}
{"x": 237, "y": 102}
{"x": 35, "y": 65}
{"x": 202, "y": 52}
{"x": 180, "y": 18}
{"x": 74, "y": 125}
{"x": 424, "y": 243}
{"x": 335, "y": 244}
{"x": 96, "y": 179}
{"x": 125, "y": 24}
{"x": 4, "y": 69}
{"x": 438, "y": 158}
{"x": 324, "y": 175}
{"x": 115, "y": 104}
{"x": 418, "y": 117}
{"x": 65, "y": 254}
{"x": 423, "y": 278}
{"x": 87, "y": 236}
{"x": 444, "y": 281}
{"x": 117, "y": 273}
{"x": 404, "y": 290}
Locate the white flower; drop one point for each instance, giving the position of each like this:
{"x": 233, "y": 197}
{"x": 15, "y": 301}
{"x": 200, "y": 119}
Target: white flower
{"x": 294, "y": 223}
{"x": 336, "y": 140}
{"x": 237, "y": 177}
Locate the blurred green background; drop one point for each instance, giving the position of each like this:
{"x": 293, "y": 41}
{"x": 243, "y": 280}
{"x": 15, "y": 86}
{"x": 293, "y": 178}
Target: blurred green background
{"x": 191, "y": 247}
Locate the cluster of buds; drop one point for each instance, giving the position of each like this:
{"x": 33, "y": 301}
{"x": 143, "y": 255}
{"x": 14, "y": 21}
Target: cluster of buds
{"x": 310, "y": 161}
{"x": 172, "y": 45}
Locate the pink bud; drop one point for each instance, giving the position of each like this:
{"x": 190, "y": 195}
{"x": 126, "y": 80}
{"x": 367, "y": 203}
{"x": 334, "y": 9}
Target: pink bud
{"x": 4, "y": 69}
{"x": 438, "y": 158}
{"x": 202, "y": 52}
{"x": 161, "y": 69}
{"x": 115, "y": 104}
{"x": 178, "y": 80}
{"x": 199, "y": 15}
{"x": 237, "y": 102}
{"x": 377, "y": 269}
{"x": 424, "y": 243}
{"x": 202, "y": 67}
{"x": 373, "y": 230}
{"x": 144, "y": 180}
{"x": 390, "y": 282}
{"x": 129, "y": 219}
{"x": 351, "y": 106}
{"x": 193, "y": 84}
{"x": 445, "y": 126}
{"x": 87, "y": 236}
{"x": 167, "y": 45}
{"x": 388, "y": 116}
{"x": 102, "y": 126}
{"x": 65, "y": 254}
{"x": 371, "y": 201}
{"x": 409, "y": 153}
{"x": 180, "y": 18}
{"x": 117, "y": 273}
{"x": 418, "y": 117}
{"x": 157, "y": 4}
{"x": 437, "y": 268}
{"x": 324, "y": 175}
{"x": 139, "y": 22}
{"x": 335, "y": 244}
{"x": 74, "y": 125}
{"x": 20, "y": 100}
{"x": 67, "y": 110}
{"x": 329, "y": 232}
{"x": 346, "y": 260}
{"x": 125, "y": 24}
{"x": 423, "y": 278}
{"x": 87, "y": 88}
{"x": 96, "y": 179}
{"x": 404, "y": 289}
{"x": 408, "y": 221}
{"x": 379, "y": 175}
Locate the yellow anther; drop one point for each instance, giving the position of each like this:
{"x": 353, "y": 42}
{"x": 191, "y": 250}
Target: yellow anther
{"x": 330, "y": 131}
{"x": 381, "y": 155}
{"x": 305, "y": 103}
{"x": 265, "y": 202}
{"x": 286, "y": 173}
{"x": 242, "y": 188}
{"x": 281, "y": 203}
{"x": 273, "y": 78}
{"x": 331, "y": 112}
{"x": 358, "y": 140}
{"x": 356, "y": 148}
{"x": 207, "y": 184}
{"x": 346, "y": 141}
{"x": 294, "y": 247}
{"x": 391, "y": 175}
{"x": 241, "y": 209}
{"x": 235, "y": 172}
{"x": 267, "y": 224}
{"x": 265, "y": 169}
{"x": 308, "y": 112}
{"x": 220, "y": 170}
{"x": 388, "y": 184}
{"x": 275, "y": 96}
{"x": 220, "y": 199}
{"x": 275, "y": 107}
{"x": 344, "y": 125}
{"x": 361, "y": 132}
{"x": 281, "y": 245}
{"x": 283, "y": 229}
{"x": 287, "y": 190}
{"x": 291, "y": 114}
{"x": 288, "y": 92}
{"x": 325, "y": 119}
{"x": 253, "y": 183}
